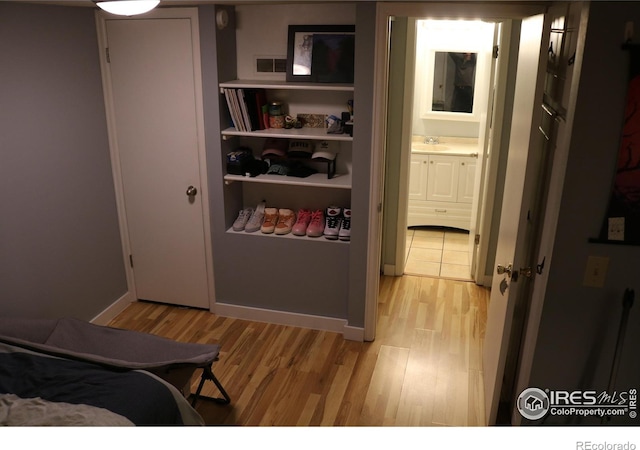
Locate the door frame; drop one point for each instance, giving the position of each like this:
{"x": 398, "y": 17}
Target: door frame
{"x": 170, "y": 13}
{"x": 384, "y": 13}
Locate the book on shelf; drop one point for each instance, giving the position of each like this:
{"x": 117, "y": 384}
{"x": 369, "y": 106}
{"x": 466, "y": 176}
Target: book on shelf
{"x": 245, "y": 107}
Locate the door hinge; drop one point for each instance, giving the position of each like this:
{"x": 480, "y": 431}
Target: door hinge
{"x": 131, "y": 261}
{"x": 106, "y": 51}
{"x": 496, "y": 50}
{"x": 476, "y": 240}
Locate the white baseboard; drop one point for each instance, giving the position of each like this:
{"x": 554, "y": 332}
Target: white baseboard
{"x": 486, "y": 281}
{"x": 113, "y": 310}
{"x": 290, "y": 319}
{"x": 389, "y": 270}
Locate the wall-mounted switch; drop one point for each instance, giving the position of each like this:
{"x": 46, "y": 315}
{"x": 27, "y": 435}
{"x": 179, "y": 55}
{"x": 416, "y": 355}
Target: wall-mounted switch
{"x": 596, "y": 271}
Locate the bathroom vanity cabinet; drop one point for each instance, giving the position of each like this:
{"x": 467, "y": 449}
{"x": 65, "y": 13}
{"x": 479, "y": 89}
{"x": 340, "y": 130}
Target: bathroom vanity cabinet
{"x": 441, "y": 185}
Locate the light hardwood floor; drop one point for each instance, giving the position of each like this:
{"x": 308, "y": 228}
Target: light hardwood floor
{"x": 423, "y": 369}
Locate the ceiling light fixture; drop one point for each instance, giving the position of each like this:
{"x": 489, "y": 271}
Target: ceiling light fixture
{"x": 127, "y": 7}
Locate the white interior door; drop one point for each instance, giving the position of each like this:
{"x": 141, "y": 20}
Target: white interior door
{"x": 477, "y": 191}
{"x": 155, "y": 122}
{"x": 520, "y": 184}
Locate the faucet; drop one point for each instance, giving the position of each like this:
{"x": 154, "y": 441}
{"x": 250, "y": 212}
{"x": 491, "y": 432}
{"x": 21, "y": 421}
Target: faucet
{"x": 433, "y": 140}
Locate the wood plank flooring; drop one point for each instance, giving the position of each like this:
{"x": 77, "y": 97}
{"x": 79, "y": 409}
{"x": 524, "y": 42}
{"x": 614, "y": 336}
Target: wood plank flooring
{"x": 423, "y": 369}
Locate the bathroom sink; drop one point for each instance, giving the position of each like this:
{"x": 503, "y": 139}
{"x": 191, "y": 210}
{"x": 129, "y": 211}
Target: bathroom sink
{"x": 418, "y": 147}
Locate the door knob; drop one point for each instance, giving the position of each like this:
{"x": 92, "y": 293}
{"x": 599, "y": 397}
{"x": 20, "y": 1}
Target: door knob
{"x": 502, "y": 269}
{"x": 191, "y": 191}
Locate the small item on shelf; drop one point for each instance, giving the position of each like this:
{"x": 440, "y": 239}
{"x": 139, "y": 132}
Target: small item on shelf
{"x": 255, "y": 221}
{"x": 316, "y": 225}
{"x": 243, "y": 217}
{"x": 275, "y": 109}
{"x": 276, "y": 115}
{"x": 333, "y": 220}
{"x": 275, "y": 147}
{"x": 239, "y": 160}
{"x": 270, "y": 220}
{"x": 256, "y": 167}
{"x": 347, "y": 123}
{"x": 324, "y": 153}
{"x": 281, "y": 168}
{"x": 345, "y": 227}
{"x": 291, "y": 122}
{"x": 334, "y": 125}
{"x": 276, "y": 121}
{"x": 286, "y": 219}
{"x": 300, "y": 148}
{"x": 299, "y": 170}
{"x": 302, "y": 222}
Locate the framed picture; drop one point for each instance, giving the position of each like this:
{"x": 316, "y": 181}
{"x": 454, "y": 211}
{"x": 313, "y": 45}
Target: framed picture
{"x": 321, "y": 53}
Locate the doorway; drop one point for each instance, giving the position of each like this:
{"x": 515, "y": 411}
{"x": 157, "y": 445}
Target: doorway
{"x": 520, "y": 116}
{"x": 436, "y": 163}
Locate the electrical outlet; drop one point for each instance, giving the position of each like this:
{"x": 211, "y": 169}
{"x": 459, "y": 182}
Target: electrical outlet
{"x": 616, "y": 229}
{"x": 596, "y": 271}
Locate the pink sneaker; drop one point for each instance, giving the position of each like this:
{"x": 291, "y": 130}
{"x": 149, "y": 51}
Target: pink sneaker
{"x": 300, "y": 227}
{"x": 316, "y": 226}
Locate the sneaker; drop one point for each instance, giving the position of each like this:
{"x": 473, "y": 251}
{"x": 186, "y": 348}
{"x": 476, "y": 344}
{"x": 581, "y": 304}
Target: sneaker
{"x": 286, "y": 218}
{"x": 316, "y": 224}
{"x": 255, "y": 221}
{"x": 345, "y": 227}
{"x": 300, "y": 227}
{"x": 242, "y": 219}
{"x": 332, "y": 219}
{"x": 270, "y": 220}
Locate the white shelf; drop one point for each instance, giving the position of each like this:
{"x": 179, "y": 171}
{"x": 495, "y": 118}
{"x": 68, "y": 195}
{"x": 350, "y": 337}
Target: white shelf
{"x": 339, "y": 181}
{"x": 320, "y": 239}
{"x": 319, "y": 134}
{"x": 249, "y": 84}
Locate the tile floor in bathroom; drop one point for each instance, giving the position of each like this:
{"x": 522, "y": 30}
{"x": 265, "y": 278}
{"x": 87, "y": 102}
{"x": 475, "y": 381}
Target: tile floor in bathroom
{"x": 438, "y": 252}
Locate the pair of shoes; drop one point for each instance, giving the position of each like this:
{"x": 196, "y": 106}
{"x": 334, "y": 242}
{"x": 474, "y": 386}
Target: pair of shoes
{"x": 278, "y": 221}
{"x": 254, "y": 222}
{"x": 243, "y": 217}
{"x": 309, "y": 223}
{"x": 338, "y": 224}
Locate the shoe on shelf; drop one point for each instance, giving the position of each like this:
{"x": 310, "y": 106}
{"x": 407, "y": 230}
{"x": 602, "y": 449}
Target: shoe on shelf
{"x": 302, "y": 222}
{"x": 255, "y": 221}
{"x": 242, "y": 219}
{"x": 345, "y": 227}
{"x": 270, "y": 220}
{"x": 332, "y": 221}
{"x": 286, "y": 219}
{"x": 316, "y": 224}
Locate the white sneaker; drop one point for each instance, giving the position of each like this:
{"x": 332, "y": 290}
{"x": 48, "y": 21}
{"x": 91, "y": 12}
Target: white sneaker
{"x": 255, "y": 221}
{"x": 332, "y": 221}
{"x": 345, "y": 227}
{"x": 242, "y": 219}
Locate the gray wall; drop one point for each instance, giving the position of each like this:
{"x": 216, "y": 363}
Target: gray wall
{"x": 579, "y": 324}
{"x": 362, "y": 154}
{"x": 60, "y": 252}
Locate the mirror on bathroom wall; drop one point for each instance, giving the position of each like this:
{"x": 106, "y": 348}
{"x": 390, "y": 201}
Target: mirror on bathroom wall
{"x": 454, "y": 77}
{"x": 453, "y": 63}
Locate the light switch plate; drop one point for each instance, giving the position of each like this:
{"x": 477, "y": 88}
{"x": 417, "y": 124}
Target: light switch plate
{"x": 596, "y": 271}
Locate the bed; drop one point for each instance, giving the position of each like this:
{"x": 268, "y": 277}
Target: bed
{"x": 70, "y": 372}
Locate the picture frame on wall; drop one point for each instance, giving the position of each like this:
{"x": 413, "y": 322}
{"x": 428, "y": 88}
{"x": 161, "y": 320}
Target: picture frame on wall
{"x": 321, "y": 53}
